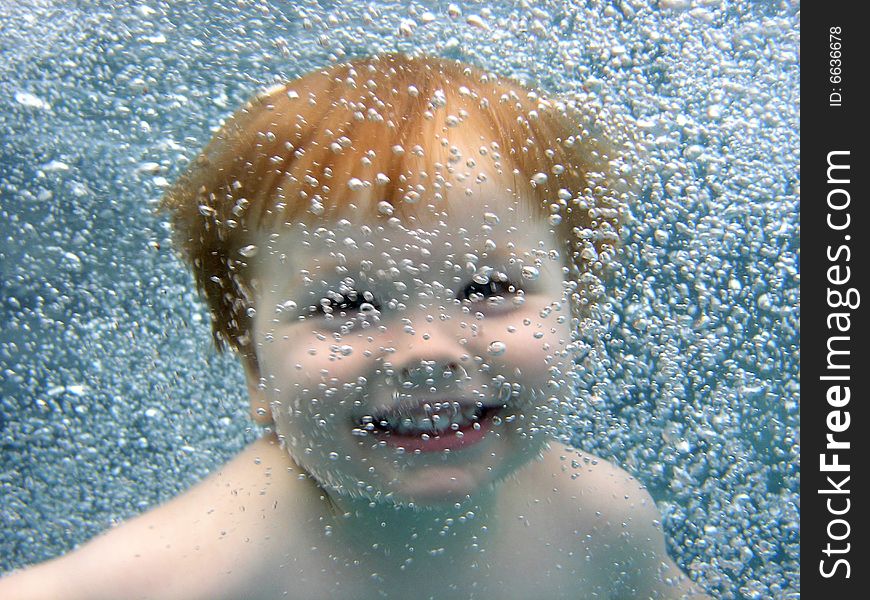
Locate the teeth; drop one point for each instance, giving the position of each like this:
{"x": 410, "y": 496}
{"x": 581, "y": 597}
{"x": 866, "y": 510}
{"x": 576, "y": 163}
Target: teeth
{"x": 428, "y": 419}
{"x": 425, "y": 423}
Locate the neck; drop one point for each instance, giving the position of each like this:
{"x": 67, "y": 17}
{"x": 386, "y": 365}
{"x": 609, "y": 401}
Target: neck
{"x": 398, "y": 532}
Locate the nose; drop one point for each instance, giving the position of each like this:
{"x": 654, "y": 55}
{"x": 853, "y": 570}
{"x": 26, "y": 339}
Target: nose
{"x": 431, "y": 358}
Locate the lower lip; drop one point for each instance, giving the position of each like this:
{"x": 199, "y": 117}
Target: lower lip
{"x": 439, "y": 443}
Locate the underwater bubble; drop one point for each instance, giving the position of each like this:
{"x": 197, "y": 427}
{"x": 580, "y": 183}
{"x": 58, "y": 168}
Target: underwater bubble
{"x": 55, "y": 166}
{"x": 148, "y": 168}
{"x": 367, "y": 308}
{"x": 406, "y": 28}
{"x": 71, "y": 262}
{"x": 31, "y": 101}
{"x": 355, "y": 184}
{"x": 496, "y": 348}
{"x": 530, "y": 273}
{"x": 476, "y": 21}
{"x": 439, "y": 99}
{"x": 248, "y": 251}
{"x": 538, "y": 179}
{"x": 693, "y": 152}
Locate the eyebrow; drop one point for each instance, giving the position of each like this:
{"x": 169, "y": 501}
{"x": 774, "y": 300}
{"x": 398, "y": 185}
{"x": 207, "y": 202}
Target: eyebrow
{"x": 327, "y": 265}
{"x": 295, "y": 276}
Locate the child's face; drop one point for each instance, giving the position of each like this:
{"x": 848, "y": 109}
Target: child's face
{"x": 432, "y": 382}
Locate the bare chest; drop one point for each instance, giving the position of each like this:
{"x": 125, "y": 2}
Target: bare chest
{"x": 520, "y": 561}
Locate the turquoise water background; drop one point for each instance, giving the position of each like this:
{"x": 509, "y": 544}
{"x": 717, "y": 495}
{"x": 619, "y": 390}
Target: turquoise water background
{"x": 111, "y": 398}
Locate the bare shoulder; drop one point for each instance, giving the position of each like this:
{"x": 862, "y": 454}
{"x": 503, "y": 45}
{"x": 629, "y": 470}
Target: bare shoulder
{"x": 202, "y": 544}
{"x": 589, "y": 488}
{"x": 614, "y": 521}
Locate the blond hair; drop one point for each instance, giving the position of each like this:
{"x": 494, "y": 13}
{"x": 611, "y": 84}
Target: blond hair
{"x": 299, "y": 150}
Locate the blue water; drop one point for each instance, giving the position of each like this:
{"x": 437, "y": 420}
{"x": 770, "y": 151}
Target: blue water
{"x": 111, "y": 398}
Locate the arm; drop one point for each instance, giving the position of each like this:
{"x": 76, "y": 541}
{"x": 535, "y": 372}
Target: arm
{"x": 194, "y": 546}
{"x": 108, "y": 566}
{"x": 41, "y": 582}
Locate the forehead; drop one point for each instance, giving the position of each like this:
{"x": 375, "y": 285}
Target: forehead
{"x": 466, "y": 233}
{"x": 495, "y": 213}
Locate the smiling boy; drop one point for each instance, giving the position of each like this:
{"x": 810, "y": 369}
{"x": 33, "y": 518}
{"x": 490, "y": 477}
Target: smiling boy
{"x": 400, "y": 250}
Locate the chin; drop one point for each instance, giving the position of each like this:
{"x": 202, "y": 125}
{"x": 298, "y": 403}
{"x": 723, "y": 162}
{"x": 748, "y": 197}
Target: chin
{"x": 443, "y": 485}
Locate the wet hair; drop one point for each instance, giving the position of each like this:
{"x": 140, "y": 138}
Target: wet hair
{"x": 373, "y": 136}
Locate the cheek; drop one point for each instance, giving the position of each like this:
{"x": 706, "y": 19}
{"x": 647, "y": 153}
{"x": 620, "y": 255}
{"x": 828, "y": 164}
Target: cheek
{"x": 527, "y": 361}
{"x": 523, "y": 340}
{"x": 315, "y": 365}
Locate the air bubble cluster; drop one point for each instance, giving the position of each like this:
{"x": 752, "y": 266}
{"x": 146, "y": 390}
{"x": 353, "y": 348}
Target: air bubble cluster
{"x": 689, "y": 372}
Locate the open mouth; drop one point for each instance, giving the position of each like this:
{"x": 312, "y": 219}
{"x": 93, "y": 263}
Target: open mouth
{"x": 432, "y": 426}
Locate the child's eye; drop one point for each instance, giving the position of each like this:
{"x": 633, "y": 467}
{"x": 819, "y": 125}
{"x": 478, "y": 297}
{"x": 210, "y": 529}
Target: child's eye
{"x": 352, "y": 301}
{"x": 489, "y": 287}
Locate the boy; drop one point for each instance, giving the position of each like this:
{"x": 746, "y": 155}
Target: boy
{"x": 400, "y": 251}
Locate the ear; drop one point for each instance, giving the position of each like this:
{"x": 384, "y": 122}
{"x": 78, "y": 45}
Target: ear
{"x": 259, "y": 404}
